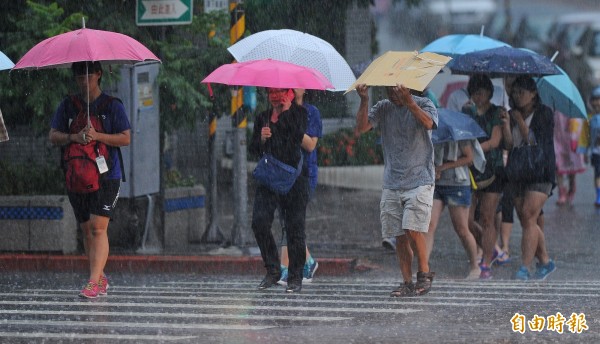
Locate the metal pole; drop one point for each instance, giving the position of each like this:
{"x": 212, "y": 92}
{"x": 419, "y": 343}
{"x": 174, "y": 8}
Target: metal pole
{"x": 213, "y": 233}
{"x": 150, "y": 235}
{"x": 239, "y": 232}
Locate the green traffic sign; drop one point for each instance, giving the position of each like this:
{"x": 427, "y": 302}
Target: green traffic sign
{"x": 163, "y": 12}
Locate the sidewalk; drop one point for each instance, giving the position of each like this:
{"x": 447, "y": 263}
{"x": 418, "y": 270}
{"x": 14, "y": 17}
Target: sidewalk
{"x": 338, "y": 239}
{"x": 202, "y": 264}
{"x": 343, "y": 234}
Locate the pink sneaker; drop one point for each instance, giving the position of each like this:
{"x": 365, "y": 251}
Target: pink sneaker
{"x": 90, "y": 290}
{"x": 102, "y": 285}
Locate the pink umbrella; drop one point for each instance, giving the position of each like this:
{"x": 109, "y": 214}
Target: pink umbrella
{"x": 269, "y": 73}
{"x": 85, "y": 45}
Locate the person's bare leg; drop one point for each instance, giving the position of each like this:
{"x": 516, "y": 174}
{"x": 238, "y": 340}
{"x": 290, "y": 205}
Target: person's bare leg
{"x": 528, "y": 210}
{"x": 405, "y": 257}
{"x": 562, "y": 190}
{"x": 436, "y": 211}
{"x": 572, "y": 188}
{"x": 541, "y": 252}
{"x": 474, "y": 227}
{"x": 417, "y": 240}
{"x": 98, "y": 246}
{"x": 459, "y": 216}
{"x": 285, "y": 261}
{"x": 488, "y": 205}
{"x": 505, "y": 231}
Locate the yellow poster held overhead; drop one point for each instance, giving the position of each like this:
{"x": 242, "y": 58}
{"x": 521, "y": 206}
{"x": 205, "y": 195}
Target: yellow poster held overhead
{"x": 409, "y": 68}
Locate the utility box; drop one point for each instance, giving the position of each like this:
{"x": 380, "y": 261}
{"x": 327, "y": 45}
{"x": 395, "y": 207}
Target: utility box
{"x": 138, "y": 89}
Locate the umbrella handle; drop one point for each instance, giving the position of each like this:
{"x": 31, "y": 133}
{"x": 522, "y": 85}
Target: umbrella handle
{"x": 210, "y": 92}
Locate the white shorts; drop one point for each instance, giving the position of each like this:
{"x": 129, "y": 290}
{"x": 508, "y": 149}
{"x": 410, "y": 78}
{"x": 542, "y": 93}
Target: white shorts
{"x": 403, "y": 210}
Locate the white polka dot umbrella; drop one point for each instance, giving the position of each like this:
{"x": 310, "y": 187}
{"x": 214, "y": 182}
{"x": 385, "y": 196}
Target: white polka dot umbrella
{"x": 298, "y": 48}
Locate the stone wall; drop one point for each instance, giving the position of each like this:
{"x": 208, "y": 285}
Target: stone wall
{"x": 37, "y": 223}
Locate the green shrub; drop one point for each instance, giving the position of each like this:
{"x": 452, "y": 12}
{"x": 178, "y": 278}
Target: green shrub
{"x": 31, "y": 179}
{"x": 345, "y": 148}
{"x": 174, "y": 179}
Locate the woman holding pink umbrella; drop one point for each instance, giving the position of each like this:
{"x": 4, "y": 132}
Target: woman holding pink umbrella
{"x": 279, "y": 131}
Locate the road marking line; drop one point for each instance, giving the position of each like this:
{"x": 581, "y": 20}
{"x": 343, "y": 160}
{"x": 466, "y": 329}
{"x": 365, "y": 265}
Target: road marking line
{"x": 73, "y": 336}
{"x": 286, "y": 308}
{"x": 176, "y": 315}
{"x": 260, "y": 297}
{"x": 442, "y": 284}
{"x": 92, "y": 324}
{"x": 303, "y": 298}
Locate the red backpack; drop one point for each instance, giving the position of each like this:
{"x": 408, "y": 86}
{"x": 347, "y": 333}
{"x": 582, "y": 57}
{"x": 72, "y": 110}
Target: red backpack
{"x": 79, "y": 161}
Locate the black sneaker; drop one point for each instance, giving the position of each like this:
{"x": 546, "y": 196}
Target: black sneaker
{"x": 269, "y": 281}
{"x": 293, "y": 287}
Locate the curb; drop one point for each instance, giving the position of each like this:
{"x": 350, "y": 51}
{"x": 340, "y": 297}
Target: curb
{"x": 161, "y": 264}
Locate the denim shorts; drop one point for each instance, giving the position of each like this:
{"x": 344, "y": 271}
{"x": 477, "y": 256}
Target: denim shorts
{"x": 453, "y": 195}
{"x": 405, "y": 210}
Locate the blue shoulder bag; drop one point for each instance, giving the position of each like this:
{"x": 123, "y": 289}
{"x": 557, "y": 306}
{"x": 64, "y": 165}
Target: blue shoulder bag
{"x": 277, "y": 176}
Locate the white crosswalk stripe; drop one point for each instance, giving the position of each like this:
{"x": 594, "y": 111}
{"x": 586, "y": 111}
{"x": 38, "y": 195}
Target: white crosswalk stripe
{"x": 181, "y": 311}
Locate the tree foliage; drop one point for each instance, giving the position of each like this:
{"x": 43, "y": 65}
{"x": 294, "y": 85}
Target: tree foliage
{"x": 187, "y": 54}
{"x": 30, "y": 97}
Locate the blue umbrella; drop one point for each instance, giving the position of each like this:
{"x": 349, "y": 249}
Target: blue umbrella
{"x": 5, "y": 62}
{"x": 455, "y": 126}
{"x": 455, "y": 45}
{"x": 560, "y": 93}
{"x": 504, "y": 61}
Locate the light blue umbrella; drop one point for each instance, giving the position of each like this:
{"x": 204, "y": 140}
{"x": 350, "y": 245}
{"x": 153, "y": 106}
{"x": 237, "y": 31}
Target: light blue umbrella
{"x": 455, "y": 45}
{"x": 455, "y": 126}
{"x": 560, "y": 93}
{"x": 5, "y": 62}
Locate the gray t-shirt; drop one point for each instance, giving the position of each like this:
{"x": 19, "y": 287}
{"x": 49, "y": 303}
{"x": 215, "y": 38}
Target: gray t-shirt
{"x": 448, "y": 177}
{"x": 407, "y": 147}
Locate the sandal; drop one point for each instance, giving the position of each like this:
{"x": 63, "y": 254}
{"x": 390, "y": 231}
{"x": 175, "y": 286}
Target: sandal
{"x": 407, "y": 289}
{"x": 423, "y": 284}
{"x": 501, "y": 259}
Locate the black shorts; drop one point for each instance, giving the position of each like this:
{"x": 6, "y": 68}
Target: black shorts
{"x": 101, "y": 202}
{"x": 497, "y": 186}
{"x": 595, "y": 162}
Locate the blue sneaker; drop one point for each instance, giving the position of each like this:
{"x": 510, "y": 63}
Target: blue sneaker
{"x": 522, "y": 274}
{"x": 309, "y": 271}
{"x": 284, "y": 276}
{"x": 542, "y": 271}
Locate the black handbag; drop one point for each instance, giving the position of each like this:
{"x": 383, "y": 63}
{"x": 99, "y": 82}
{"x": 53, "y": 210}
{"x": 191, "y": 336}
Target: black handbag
{"x": 526, "y": 164}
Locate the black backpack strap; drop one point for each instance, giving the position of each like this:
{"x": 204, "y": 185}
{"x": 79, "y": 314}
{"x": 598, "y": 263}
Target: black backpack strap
{"x": 113, "y": 116}
{"x": 70, "y": 113}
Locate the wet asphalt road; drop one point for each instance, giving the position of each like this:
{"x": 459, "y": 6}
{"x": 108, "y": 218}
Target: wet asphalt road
{"x": 205, "y": 309}
{"x": 142, "y": 308}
